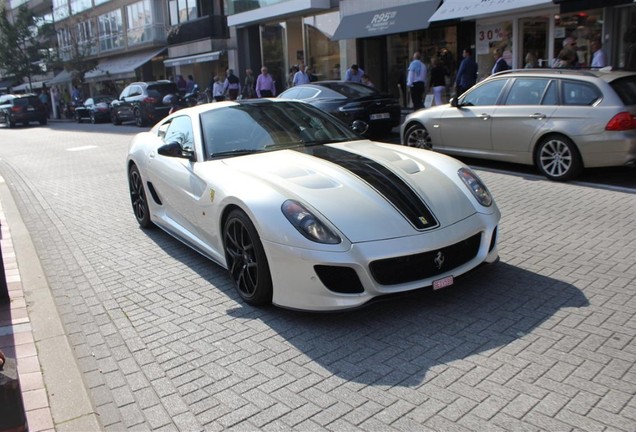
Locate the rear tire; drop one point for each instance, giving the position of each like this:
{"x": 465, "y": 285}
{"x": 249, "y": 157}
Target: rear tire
{"x": 558, "y": 158}
{"x": 139, "y": 120}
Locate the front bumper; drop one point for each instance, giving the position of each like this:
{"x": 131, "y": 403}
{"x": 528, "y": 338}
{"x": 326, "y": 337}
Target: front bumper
{"x": 298, "y": 286}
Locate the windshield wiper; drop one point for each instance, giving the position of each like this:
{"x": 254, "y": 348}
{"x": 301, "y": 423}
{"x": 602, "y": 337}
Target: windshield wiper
{"x": 236, "y": 152}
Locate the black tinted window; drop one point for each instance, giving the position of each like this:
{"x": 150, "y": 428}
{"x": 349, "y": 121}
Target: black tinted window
{"x": 160, "y": 90}
{"x": 579, "y": 93}
{"x": 626, "y": 89}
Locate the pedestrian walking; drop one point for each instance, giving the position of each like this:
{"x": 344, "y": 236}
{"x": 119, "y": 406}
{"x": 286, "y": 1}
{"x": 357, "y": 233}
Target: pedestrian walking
{"x": 301, "y": 76}
{"x": 265, "y": 85}
{"x": 232, "y": 85}
{"x": 416, "y": 80}
{"x": 354, "y": 74}
{"x": 249, "y": 84}
{"x": 467, "y": 72}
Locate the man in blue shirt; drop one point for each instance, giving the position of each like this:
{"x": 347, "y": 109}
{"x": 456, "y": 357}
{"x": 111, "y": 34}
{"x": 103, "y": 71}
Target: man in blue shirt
{"x": 354, "y": 73}
{"x": 467, "y": 73}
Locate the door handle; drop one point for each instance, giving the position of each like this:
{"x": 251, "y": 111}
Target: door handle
{"x": 537, "y": 116}
{"x": 484, "y": 116}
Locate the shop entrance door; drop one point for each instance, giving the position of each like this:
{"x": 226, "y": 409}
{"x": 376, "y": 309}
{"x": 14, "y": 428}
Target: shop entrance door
{"x": 273, "y": 37}
{"x": 374, "y": 61}
{"x": 534, "y": 50}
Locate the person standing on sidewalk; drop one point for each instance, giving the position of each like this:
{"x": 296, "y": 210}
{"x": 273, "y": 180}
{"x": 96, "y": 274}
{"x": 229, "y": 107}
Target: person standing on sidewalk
{"x": 265, "y": 84}
{"x": 467, "y": 73}
{"x": 416, "y": 80}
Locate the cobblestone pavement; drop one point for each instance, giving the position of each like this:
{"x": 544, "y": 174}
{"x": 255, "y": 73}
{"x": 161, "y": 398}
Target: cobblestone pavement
{"x": 543, "y": 340}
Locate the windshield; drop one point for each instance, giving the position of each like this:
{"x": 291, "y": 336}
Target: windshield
{"x": 268, "y": 125}
{"x": 350, "y": 90}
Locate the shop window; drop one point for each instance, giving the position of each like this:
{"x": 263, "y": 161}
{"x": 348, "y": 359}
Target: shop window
{"x": 581, "y": 28}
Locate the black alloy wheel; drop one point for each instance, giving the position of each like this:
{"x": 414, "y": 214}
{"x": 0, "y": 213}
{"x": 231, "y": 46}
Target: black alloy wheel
{"x": 139, "y": 120}
{"x": 417, "y": 136}
{"x": 138, "y": 197}
{"x": 246, "y": 259}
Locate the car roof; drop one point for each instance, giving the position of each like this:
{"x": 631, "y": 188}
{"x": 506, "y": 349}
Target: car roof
{"x": 603, "y": 74}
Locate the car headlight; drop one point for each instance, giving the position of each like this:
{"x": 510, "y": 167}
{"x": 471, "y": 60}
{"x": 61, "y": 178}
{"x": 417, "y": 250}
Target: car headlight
{"x": 476, "y": 186}
{"x": 308, "y": 224}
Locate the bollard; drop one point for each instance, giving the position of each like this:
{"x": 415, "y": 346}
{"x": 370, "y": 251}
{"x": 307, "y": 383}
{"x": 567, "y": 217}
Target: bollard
{"x": 12, "y": 415}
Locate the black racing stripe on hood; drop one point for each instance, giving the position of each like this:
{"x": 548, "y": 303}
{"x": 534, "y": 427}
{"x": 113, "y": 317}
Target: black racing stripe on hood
{"x": 393, "y": 188}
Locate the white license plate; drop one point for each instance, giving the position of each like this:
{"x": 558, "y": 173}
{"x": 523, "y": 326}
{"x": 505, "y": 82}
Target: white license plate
{"x": 380, "y": 116}
{"x": 30, "y": 109}
{"x": 443, "y": 283}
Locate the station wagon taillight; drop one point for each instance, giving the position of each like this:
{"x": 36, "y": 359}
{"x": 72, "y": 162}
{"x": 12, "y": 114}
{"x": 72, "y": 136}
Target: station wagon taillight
{"x": 621, "y": 122}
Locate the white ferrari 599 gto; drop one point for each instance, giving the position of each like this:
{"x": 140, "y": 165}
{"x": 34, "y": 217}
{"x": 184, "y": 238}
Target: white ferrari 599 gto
{"x": 302, "y": 211}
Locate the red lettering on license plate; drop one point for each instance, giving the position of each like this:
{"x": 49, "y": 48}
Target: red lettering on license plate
{"x": 443, "y": 283}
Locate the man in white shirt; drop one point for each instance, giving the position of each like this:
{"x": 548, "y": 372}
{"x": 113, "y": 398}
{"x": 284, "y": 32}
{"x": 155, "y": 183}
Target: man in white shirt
{"x": 301, "y": 76}
{"x": 598, "y": 56}
{"x": 416, "y": 80}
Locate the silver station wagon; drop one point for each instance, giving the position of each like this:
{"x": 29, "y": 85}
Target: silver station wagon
{"x": 559, "y": 120}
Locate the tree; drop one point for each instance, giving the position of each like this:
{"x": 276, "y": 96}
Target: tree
{"x": 20, "y": 43}
{"x": 78, "y": 56}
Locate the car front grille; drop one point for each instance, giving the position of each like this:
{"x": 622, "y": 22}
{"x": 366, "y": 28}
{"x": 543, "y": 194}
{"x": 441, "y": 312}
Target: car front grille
{"x": 393, "y": 271}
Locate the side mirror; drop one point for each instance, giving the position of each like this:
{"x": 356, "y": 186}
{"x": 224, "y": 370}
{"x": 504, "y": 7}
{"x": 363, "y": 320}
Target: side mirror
{"x": 360, "y": 127}
{"x": 453, "y": 102}
{"x": 175, "y": 150}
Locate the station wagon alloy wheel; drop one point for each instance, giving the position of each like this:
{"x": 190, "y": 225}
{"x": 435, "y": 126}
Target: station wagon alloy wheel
{"x": 558, "y": 159}
{"x": 417, "y": 136}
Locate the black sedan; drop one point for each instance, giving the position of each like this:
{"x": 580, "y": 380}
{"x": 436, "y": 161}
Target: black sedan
{"x": 350, "y": 101}
{"x": 95, "y": 109}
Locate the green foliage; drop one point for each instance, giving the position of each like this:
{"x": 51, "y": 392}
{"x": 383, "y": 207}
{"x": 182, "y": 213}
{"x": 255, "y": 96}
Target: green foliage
{"x": 20, "y": 43}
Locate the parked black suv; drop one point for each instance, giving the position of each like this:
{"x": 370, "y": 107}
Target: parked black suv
{"x": 142, "y": 102}
{"x": 23, "y": 109}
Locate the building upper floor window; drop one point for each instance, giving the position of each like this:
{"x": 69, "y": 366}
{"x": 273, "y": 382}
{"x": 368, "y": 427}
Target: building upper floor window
{"x": 182, "y": 11}
{"x": 78, "y": 6}
{"x": 110, "y": 30}
{"x": 139, "y": 21}
{"x": 60, "y": 10}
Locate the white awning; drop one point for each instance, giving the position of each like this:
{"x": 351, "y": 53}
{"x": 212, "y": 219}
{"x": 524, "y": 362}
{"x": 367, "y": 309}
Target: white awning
{"x": 390, "y": 20}
{"x": 120, "y": 67}
{"x": 61, "y": 78}
{"x": 199, "y": 58}
{"x": 453, "y": 9}
{"x": 25, "y": 87}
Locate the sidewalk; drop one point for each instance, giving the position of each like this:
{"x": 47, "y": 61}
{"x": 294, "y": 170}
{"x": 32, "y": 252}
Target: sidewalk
{"x": 31, "y": 332}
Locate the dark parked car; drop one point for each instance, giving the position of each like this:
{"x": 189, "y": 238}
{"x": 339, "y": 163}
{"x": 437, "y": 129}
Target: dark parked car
{"x": 350, "y": 101}
{"x": 22, "y": 109}
{"x": 142, "y": 102}
{"x": 95, "y": 109}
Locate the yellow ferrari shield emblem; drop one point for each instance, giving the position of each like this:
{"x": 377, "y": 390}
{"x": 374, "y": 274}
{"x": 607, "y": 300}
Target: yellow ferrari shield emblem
{"x": 211, "y": 195}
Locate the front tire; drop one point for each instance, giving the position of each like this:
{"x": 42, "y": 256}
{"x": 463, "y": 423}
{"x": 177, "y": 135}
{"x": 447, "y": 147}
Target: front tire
{"x": 417, "y": 136}
{"x": 138, "y": 197}
{"x": 558, "y": 158}
{"x": 246, "y": 259}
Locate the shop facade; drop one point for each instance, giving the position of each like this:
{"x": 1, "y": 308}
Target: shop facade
{"x": 382, "y": 35}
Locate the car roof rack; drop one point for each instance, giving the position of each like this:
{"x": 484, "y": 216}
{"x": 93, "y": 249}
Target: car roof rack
{"x": 559, "y": 71}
